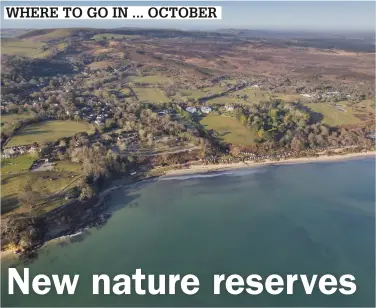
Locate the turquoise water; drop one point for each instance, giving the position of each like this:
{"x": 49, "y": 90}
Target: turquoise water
{"x": 314, "y": 218}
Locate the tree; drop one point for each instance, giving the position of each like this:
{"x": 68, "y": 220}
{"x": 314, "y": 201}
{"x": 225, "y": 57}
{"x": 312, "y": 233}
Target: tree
{"x": 29, "y": 199}
{"x": 243, "y": 119}
{"x": 297, "y": 144}
{"x": 53, "y": 83}
{"x": 122, "y": 146}
{"x": 87, "y": 192}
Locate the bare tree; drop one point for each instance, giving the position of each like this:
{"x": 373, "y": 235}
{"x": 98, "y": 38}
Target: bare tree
{"x": 29, "y": 199}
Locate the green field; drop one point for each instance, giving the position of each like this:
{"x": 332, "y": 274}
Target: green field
{"x": 333, "y": 116}
{"x": 250, "y": 96}
{"x": 17, "y": 164}
{"x": 23, "y": 48}
{"x": 8, "y": 121}
{"x": 152, "y": 95}
{"x": 13, "y": 118}
{"x": 199, "y": 93}
{"x": 229, "y": 129}
{"x": 152, "y": 79}
{"x": 224, "y": 100}
{"x": 53, "y": 182}
{"x": 108, "y": 36}
{"x": 288, "y": 97}
{"x": 244, "y": 96}
{"x": 47, "y": 34}
{"x": 30, "y": 48}
{"x": 48, "y": 131}
{"x": 15, "y": 175}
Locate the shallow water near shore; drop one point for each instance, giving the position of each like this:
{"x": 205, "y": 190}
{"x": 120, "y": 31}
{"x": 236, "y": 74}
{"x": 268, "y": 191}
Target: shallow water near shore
{"x": 314, "y": 218}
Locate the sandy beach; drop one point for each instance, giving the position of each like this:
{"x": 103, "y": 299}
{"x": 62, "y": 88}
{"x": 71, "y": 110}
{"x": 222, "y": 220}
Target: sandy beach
{"x": 191, "y": 169}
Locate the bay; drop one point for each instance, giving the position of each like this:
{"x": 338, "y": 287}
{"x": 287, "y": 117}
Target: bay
{"x": 315, "y": 218}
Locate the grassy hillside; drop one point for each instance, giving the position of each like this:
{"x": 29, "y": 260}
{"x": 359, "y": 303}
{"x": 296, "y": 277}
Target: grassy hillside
{"x": 23, "y": 48}
{"x": 17, "y": 164}
{"x": 48, "y": 34}
{"x": 333, "y": 116}
{"x": 9, "y": 121}
{"x": 46, "y": 183}
{"x": 229, "y": 130}
{"x": 152, "y": 95}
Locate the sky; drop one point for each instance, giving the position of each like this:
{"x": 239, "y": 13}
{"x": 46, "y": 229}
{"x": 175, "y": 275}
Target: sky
{"x": 334, "y": 16}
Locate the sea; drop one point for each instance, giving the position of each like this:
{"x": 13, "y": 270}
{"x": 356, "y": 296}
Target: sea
{"x": 312, "y": 218}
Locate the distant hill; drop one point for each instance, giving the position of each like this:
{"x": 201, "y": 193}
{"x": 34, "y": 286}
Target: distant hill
{"x": 9, "y": 33}
{"x": 355, "y": 42}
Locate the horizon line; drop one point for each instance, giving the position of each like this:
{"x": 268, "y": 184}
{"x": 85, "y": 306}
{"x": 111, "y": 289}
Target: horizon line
{"x": 199, "y": 30}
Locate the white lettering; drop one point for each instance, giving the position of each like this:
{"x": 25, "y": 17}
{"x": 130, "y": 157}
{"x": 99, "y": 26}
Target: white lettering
{"x": 344, "y": 282}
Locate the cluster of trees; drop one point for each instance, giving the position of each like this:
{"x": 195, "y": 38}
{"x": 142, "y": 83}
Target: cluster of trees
{"x": 292, "y": 126}
{"x": 27, "y": 68}
{"x": 98, "y": 164}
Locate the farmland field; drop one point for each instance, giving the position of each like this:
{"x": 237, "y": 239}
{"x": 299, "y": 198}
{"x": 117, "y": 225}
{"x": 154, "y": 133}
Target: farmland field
{"x": 45, "y": 183}
{"x": 24, "y": 48}
{"x": 30, "y": 48}
{"x": 333, "y": 116}
{"x": 223, "y": 100}
{"x": 199, "y": 93}
{"x": 48, "y": 131}
{"x": 288, "y": 97}
{"x": 47, "y": 34}
{"x": 17, "y": 164}
{"x": 251, "y": 96}
{"x": 230, "y": 130}
{"x": 152, "y": 95}
{"x": 244, "y": 96}
{"x": 9, "y": 121}
{"x": 152, "y": 79}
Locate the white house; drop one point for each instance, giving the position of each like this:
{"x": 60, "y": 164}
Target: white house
{"x": 229, "y": 108}
{"x": 372, "y": 136}
{"x": 206, "y": 109}
{"x": 191, "y": 109}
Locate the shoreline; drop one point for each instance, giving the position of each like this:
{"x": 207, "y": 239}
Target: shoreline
{"x": 196, "y": 169}
{"x": 210, "y": 168}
